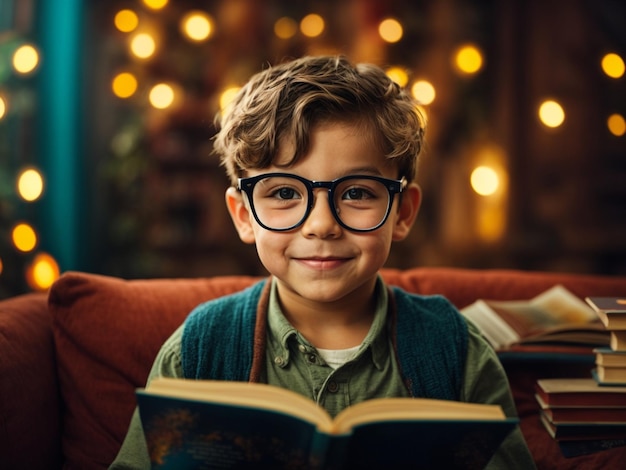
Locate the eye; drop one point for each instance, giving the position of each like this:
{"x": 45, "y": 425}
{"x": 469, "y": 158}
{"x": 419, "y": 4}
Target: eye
{"x": 286, "y": 193}
{"x": 357, "y": 193}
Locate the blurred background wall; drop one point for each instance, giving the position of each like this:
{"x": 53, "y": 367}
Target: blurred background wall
{"x": 106, "y": 119}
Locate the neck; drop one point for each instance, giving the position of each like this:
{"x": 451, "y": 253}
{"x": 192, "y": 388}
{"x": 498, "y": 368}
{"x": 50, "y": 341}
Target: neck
{"x": 339, "y": 324}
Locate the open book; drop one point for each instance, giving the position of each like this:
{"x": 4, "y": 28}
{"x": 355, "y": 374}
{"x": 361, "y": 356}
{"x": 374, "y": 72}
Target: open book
{"x": 555, "y": 316}
{"x": 216, "y": 424}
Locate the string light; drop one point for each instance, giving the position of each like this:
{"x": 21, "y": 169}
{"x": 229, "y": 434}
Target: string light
{"x": 312, "y": 25}
{"x": 468, "y": 59}
{"x": 551, "y": 113}
{"x": 161, "y": 96}
{"x": 390, "y": 30}
{"x": 197, "y": 26}
{"x": 484, "y": 180}
{"x": 24, "y": 237}
{"x": 155, "y": 4}
{"x": 30, "y": 185}
{"x": 124, "y": 85}
{"x": 143, "y": 45}
{"x": 616, "y": 124}
{"x": 398, "y": 75}
{"x": 25, "y": 59}
{"x": 42, "y": 272}
{"x": 126, "y": 21}
{"x": 424, "y": 92}
{"x": 613, "y": 65}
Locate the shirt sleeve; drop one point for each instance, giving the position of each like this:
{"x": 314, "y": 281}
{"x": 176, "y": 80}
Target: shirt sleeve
{"x": 133, "y": 454}
{"x": 486, "y": 382}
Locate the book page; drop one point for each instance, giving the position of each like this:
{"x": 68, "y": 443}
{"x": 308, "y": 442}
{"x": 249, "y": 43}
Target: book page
{"x": 405, "y": 409}
{"x": 245, "y": 394}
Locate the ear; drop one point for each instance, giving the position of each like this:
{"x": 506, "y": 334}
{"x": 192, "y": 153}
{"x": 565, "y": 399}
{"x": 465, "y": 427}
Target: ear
{"x": 407, "y": 212}
{"x": 239, "y": 212}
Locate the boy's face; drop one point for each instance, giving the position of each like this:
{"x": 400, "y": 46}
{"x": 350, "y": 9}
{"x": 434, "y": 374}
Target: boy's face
{"x": 320, "y": 261}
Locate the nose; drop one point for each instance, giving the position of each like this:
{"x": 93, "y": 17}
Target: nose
{"x": 321, "y": 222}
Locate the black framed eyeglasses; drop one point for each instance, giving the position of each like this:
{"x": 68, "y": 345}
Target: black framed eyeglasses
{"x": 282, "y": 201}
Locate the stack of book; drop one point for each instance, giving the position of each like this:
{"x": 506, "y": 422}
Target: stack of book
{"x": 611, "y": 361}
{"x": 581, "y": 414}
{"x": 589, "y": 414}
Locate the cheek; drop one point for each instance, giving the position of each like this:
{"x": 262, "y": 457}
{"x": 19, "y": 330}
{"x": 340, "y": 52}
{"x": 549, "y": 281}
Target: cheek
{"x": 376, "y": 245}
{"x": 270, "y": 246}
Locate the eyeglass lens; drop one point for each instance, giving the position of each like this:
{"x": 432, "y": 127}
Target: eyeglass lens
{"x": 281, "y": 202}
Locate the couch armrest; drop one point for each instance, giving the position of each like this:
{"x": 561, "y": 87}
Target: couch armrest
{"x": 29, "y": 395}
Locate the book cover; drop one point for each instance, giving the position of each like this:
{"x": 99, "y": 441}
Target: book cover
{"x": 610, "y": 310}
{"x": 610, "y": 357}
{"x": 555, "y": 316}
{"x": 582, "y": 414}
{"x": 579, "y": 392}
{"x": 611, "y": 375}
{"x": 258, "y": 426}
{"x": 583, "y": 431}
{"x": 588, "y": 446}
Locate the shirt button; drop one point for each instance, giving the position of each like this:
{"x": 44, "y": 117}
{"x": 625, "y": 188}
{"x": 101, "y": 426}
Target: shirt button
{"x": 333, "y": 387}
{"x": 279, "y": 360}
{"x": 302, "y": 348}
{"x": 311, "y": 358}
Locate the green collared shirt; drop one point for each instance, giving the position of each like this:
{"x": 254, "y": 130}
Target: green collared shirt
{"x": 293, "y": 363}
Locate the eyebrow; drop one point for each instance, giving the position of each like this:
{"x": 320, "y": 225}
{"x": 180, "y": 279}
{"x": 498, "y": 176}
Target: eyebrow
{"x": 363, "y": 170}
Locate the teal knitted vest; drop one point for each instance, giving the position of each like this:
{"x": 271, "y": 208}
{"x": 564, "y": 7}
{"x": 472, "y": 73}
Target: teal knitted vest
{"x": 430, "y": 336}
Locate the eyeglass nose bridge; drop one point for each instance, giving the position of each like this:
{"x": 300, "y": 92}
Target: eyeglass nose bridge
{"x": 330, "y": 187}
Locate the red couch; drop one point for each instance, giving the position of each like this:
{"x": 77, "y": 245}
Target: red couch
{"x": 70, "y": 360}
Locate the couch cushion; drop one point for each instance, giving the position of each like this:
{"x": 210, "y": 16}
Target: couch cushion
{"x": 29, "y": 398}
{"x": 108, "y": 331}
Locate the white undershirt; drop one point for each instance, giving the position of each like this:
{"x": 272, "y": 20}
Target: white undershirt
{"x": 338, "y": 357}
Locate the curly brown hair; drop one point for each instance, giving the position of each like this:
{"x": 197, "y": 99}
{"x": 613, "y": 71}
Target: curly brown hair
{"x": 285, "y": 101}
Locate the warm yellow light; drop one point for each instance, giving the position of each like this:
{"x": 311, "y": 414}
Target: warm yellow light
{"x": 42, "y": 272}
{"x": 3, "y": 107}
{"x": 1, "y": 266}
{"x": 312, "y": 25}
{"x": 423, "y": 91}
{"x": 161, "y": 96}
{"x": 126, "y": 20}
{"x": 197, "y": 26}
{"x": 228, "y": 96}
{"x": 30, "y": 185}
{"x": 468, "y": 59}
{"x": 143, "y": 45}
{"x": 616, "y": 124}
{"x": 25, "y": 59}
{"x": 398, "y": 75}
{"x": 551, "y": 113}
{"x": 124, "y": 85}
{"x": 484, "y": 180}
{"x": 285, "y": 28}
{"x": 390, "y": 30}
{"x": 155, "y": 4}
{"x": 24, "y": 237}
{"x": 613, "y": 65}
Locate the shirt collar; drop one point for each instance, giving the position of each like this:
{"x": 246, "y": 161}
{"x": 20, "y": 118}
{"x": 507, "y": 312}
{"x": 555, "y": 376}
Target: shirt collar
{"x": 281, "y": 332}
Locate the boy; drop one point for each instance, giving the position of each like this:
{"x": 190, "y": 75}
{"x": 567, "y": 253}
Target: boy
{"x": 322, "y": 157}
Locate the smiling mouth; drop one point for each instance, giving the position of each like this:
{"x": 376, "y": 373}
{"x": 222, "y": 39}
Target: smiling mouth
{"x": 322, "y": 263}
